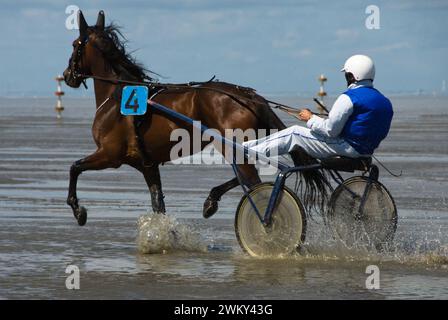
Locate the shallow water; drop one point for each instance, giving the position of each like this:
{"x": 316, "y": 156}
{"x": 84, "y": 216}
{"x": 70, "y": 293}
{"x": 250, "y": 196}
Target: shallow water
{"x": 39, "y": 237}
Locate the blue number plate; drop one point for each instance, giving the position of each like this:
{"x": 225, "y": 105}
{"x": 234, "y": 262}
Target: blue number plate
{"x": 134, "y": 100}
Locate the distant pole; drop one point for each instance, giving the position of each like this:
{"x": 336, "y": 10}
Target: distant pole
{"x": 59, "y": 93}
{"x": 322, "y": 79}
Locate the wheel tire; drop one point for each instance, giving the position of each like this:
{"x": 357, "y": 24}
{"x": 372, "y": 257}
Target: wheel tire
{"x": 288, "y": 228}
{"x": 378, "y": 223}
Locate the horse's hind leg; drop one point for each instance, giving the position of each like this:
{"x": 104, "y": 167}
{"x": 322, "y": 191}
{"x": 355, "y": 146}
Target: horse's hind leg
{"x": 96, "y": 161}
{"x": 211, "y": 203}
{"x": 249, "y": 177}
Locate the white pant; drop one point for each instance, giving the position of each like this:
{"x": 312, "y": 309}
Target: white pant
{"x": 291, "y": 138}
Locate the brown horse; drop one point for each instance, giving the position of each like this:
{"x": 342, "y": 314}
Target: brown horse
{"x": 144, "y": 142}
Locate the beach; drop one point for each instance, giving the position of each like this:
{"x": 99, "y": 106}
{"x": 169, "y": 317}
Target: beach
{"x": 39, "y": 236}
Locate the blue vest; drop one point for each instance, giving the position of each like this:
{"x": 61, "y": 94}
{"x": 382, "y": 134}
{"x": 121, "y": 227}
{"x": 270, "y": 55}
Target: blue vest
{"x": 370, "y": 121}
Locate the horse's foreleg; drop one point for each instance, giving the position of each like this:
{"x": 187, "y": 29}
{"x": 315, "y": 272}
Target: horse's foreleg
{"x": 249, "y": 177}
{"x": 152, "y": 178}
{"x": 96, "y": 161}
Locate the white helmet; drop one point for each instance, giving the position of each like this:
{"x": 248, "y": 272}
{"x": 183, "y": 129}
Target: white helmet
{"x": 360, "y": 66}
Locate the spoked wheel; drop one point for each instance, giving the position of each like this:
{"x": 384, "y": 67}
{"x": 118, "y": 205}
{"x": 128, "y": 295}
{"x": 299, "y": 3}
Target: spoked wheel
{"x": 372, "y": 225}
{"x": 283, "y": 236}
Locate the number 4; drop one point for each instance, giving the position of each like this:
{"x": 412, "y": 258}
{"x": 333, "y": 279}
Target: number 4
{"x": 132, "y": 99}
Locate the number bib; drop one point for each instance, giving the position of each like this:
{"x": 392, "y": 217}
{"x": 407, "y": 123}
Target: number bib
{"x": 134, "y": 100}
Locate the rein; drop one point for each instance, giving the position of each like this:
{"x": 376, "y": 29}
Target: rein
{"x": 274, "y": 104}
{"x": 117, "y": 81}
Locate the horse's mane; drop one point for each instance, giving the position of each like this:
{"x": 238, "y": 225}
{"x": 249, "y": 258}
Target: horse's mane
{"x": 112, "y": 44}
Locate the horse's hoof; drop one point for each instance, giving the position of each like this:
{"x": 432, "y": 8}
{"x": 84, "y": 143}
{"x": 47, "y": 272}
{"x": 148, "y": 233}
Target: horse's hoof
{"x": 81, "y": 216}
{"x": 210, "y": 207}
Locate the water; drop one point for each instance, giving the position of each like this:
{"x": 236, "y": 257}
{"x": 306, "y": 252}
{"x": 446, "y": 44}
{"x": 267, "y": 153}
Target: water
{"x": 197, "y": 258}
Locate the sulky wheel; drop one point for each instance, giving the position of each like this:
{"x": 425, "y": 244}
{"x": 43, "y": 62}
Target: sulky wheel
{"x": 283, "y": 236}
{"x": 374, "y": 225}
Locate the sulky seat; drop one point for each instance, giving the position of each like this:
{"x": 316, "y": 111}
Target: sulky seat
{"x": 346, "y": 164}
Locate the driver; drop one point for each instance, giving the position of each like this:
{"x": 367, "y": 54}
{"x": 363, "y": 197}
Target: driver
{"x": 358, "y": 121}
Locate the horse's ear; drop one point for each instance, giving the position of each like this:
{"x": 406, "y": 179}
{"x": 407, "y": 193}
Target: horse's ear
{"x": 100, "y": 20}
{"x": 82, "y": 25}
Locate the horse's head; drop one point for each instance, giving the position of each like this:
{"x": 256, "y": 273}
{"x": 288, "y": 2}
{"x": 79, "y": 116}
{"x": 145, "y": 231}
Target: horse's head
{"x": 85, "y": 51}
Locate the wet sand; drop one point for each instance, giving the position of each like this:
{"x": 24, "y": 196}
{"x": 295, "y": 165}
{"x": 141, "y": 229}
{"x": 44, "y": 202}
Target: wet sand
{"x": 39, "y": 236}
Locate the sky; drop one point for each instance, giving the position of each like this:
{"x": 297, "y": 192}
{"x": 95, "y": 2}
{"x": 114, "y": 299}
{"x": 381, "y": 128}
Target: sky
{"x": 276, "y": 47}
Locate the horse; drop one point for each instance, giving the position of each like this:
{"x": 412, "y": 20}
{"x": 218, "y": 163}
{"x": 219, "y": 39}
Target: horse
{"x": 144, "y": 142}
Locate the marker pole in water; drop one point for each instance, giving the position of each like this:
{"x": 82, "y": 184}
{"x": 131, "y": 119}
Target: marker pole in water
{"x": 59, "y": 93}
{"x": 322, "y": 79}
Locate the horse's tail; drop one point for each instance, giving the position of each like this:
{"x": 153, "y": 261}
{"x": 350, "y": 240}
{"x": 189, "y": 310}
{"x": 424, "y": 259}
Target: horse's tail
{"x": 313, "y": 185}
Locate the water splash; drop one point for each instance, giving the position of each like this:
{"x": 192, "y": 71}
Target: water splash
{"x": 425, "y": 244}
{"x": 159, "y": 233}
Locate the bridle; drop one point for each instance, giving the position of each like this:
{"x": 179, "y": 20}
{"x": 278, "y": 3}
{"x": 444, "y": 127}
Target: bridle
{"x": 75, "y": 63}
